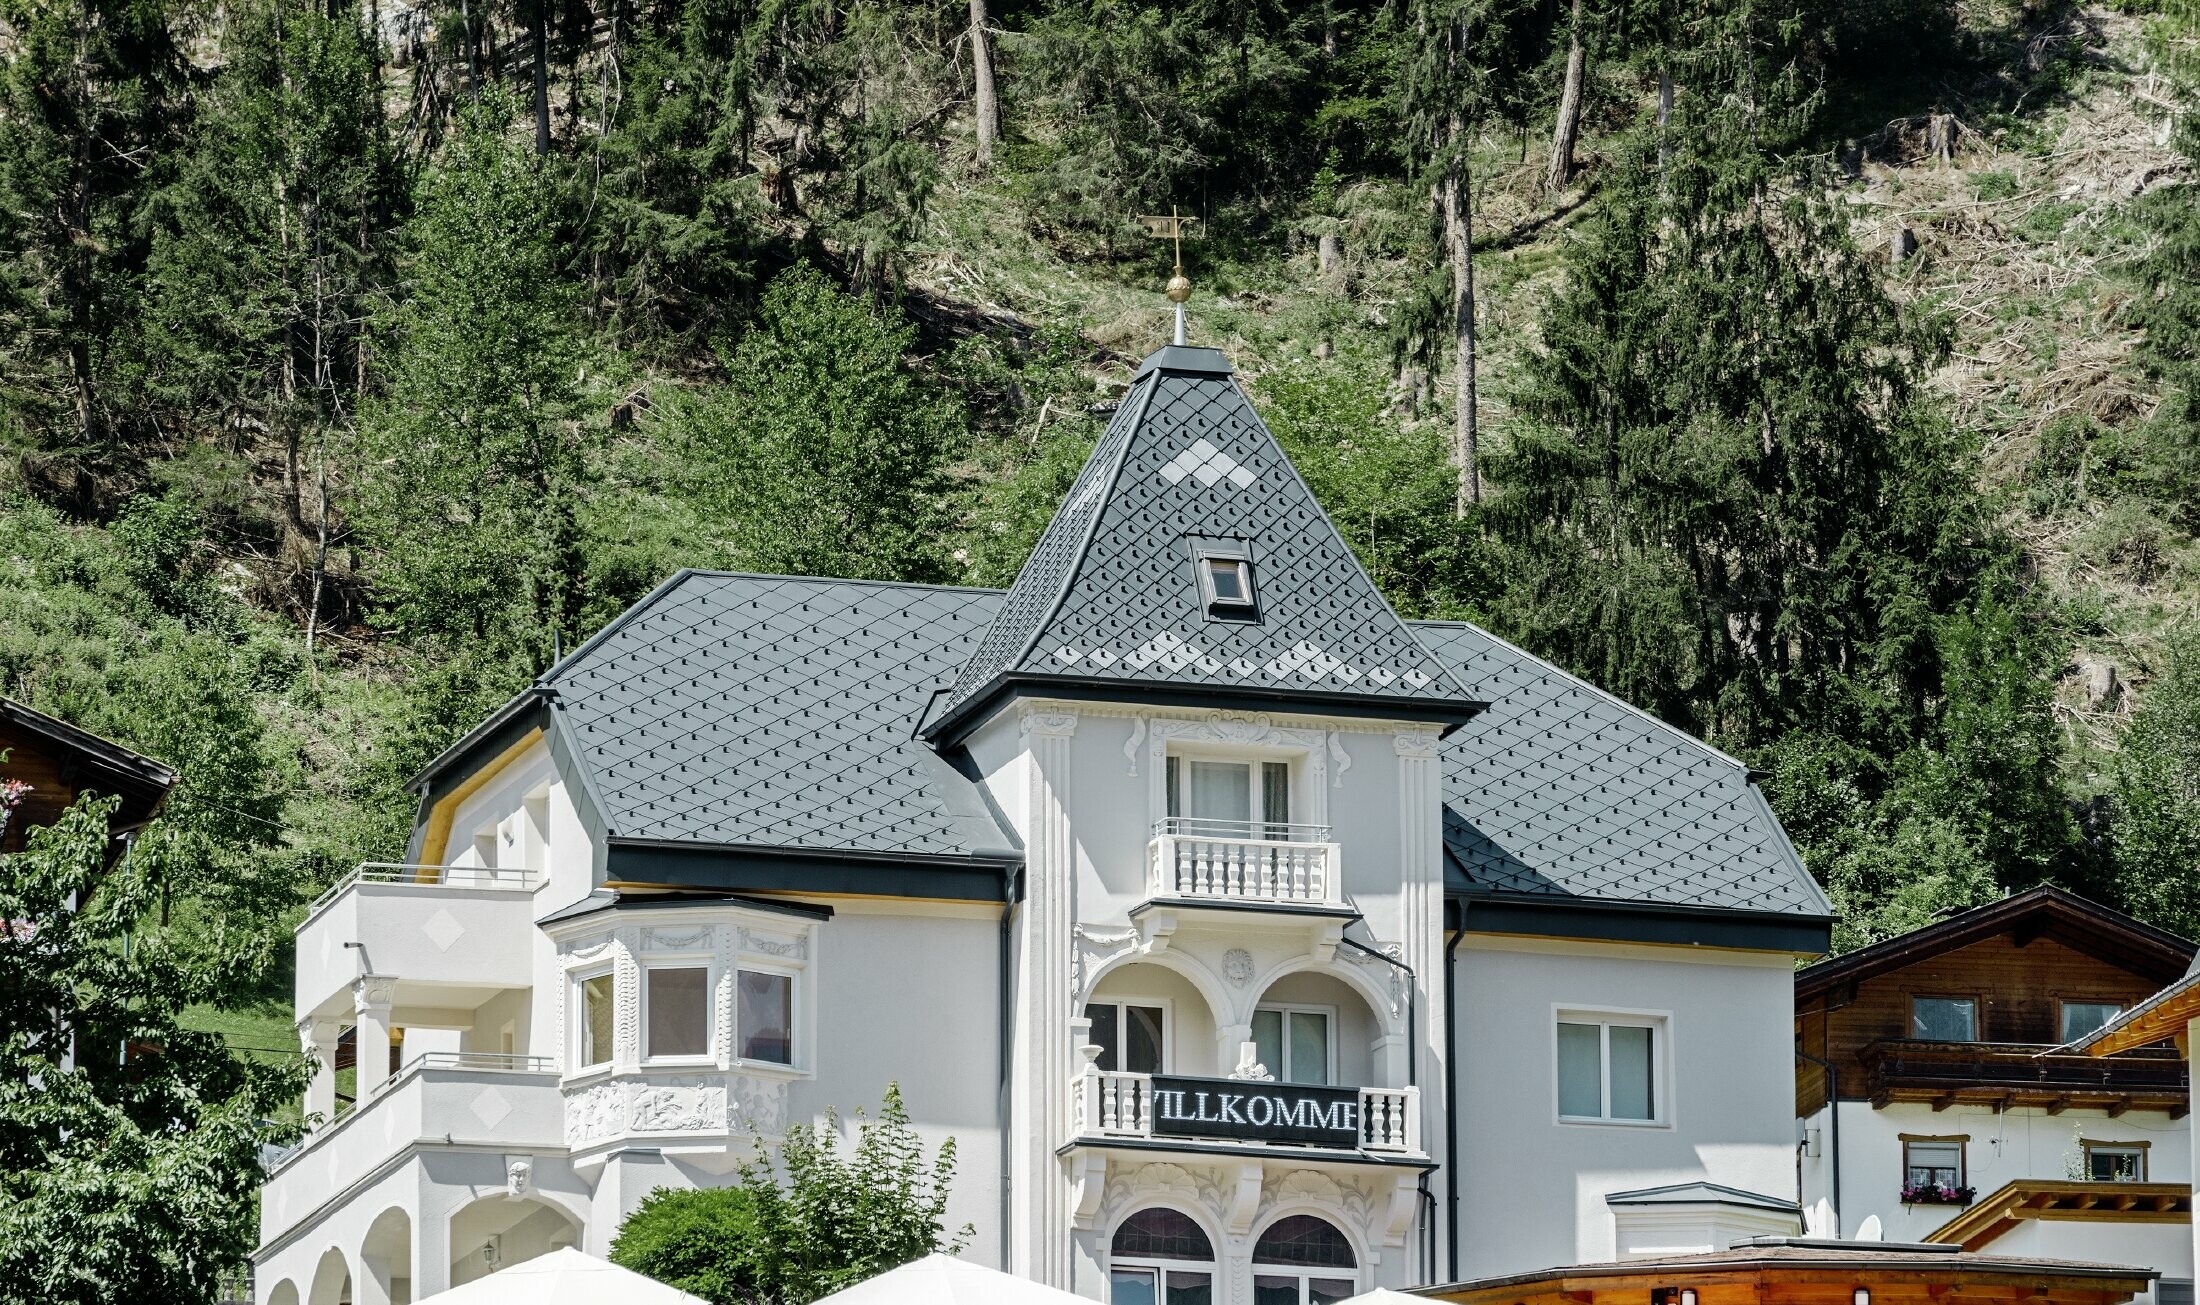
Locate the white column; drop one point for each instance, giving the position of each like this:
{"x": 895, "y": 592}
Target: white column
{"x": 318, "y": 1037}
{"x": 2185, "y": 1044}
{"x": 1421, "y": 862}
{"x": 371, "y": 995}
{"x": 1041, "y": 1194}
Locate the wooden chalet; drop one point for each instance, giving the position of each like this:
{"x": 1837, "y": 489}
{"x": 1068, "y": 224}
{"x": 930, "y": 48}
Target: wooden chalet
{"x": 1978, "y": 1009}
{"x": 61, "y": 763}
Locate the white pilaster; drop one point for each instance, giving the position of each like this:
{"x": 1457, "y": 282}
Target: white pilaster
{"x": 1421, "y": 889}
{"x": 1042, "y": 1190}
{"x": 371, "y": 995}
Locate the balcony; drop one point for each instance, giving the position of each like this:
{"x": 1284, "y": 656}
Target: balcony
{"x": 1238, "y": 862}
{"x": 469, "y": 928}
{"x": 442, "y": 1099}
{"x": 2005, "y": 1074}
{"x": 1107, "y": 1105}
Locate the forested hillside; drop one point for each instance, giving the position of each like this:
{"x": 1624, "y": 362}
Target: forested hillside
{"x": 1821, "y": 375}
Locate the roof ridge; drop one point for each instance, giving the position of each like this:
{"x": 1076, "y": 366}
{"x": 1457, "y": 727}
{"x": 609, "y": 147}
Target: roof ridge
{"x": 1102, "y": 492}
{"x": 868, "y": 582}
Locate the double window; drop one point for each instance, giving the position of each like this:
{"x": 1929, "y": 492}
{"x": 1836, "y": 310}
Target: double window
{"x": 1294, "y": 1043}
{"x": 1932, "y": 1162}
{"x": 1161, "y": 1257}
{"x": 1609, "y": 1068}
{"x": 2082, "y": 1017}
{"x": 1229, "y": 799}
{"x": 1944, "y": 1019}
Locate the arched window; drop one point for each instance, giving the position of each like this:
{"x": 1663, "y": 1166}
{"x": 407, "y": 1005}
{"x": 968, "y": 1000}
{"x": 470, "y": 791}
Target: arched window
{"x": 1302, "y": 1260}
{"x": 1160, "y": 1257}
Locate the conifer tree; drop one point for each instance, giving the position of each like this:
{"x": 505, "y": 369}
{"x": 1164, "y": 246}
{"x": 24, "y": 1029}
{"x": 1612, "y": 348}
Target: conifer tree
{"x": 474, "y": 466}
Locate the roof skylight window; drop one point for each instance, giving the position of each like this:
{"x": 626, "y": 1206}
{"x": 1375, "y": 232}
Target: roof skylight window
{"x": 1226, "y": 581}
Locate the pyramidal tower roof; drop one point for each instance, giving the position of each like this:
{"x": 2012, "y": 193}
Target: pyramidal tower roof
{"x": 1111, "y": 605}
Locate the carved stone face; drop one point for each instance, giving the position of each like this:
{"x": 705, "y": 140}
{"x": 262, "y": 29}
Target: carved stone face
{"x": 516, "y": 1176}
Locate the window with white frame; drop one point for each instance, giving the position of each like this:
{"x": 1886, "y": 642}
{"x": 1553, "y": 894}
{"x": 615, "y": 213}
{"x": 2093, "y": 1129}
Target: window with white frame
{"x": 1932, "y": 1162}
{"x": 1303, "y": 1260}
{"x": 593, "y": 997}
{"x": 1133, "y": 1036}
{"x": 763, "y": 1018}
{"x": 1295, "y": 1044}
{"x": 1228, "y": 799}
{"x": 2116, "y": 1162}
{"x": 1609, "y": 1068}
{"x": 676, "y": 1011}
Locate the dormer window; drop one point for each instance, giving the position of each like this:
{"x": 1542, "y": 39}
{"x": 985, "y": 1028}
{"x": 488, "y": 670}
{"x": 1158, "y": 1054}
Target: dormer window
{"x": 1225, "y": 569}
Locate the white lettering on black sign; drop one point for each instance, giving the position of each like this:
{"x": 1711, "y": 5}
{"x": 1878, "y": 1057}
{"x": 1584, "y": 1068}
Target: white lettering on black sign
{"x": 1256, "y": 1112}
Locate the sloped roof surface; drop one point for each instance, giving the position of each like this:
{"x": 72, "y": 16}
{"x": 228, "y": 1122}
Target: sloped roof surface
{"x": 1111, "y": 594}
{"x": 1559, "y": 790}
{"x": 778, "y": 711}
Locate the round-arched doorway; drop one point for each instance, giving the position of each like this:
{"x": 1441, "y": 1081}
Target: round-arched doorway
{"x": 1160, "y": 1257}
{"x": 1303, "y": 1260}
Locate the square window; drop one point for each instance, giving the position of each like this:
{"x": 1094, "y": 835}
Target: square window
{"x": 1231, "y": 578}
{"x": 1944, "y": 1019}
{"x": 677, "y": 1003}
{"x": 595, "y": 1000}
{"x": 2082, "y": 1017}
{"x": 1932, "y": 1164}
{"x": 764, "y": 1014}
{"x": 1608, "y": 1070}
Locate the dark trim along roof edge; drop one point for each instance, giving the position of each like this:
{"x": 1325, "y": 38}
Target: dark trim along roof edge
{"x": 1643, "y": 922}
{"x": 521, "y": 709}
{"x": 950, "y": 728}
{"x": 807, "y": 870}
{"x": 144, "y": 777}
{"x": 600, "y": 901}
{"x": 1701, "y": 1194}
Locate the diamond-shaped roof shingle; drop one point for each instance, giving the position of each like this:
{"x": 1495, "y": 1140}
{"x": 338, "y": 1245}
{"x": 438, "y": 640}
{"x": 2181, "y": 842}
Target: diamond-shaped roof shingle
{"x": 778, "y": 711}
{"x": 1559, "y": 789}
{"x": 1110, "y": 594}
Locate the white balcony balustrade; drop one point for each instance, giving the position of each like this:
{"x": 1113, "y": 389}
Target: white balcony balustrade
{"x": 1108, "y": 1104}
{"x": 454, "y": 1099}
{"x": 1243, "y": 861}
{"x": 447, "y": 927}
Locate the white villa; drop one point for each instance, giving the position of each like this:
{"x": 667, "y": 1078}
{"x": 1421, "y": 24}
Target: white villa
{"x": 1254, "y": 944}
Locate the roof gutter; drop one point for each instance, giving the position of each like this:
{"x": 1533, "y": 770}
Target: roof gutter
{"x": 525, "y": 700}
{"x": 959, "y": 720}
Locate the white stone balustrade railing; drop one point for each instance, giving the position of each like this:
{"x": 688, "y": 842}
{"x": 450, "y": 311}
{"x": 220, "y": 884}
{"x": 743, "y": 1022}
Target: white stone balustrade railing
{"x": 1110, "y": 1103}
{"x": 1243, "y": 861}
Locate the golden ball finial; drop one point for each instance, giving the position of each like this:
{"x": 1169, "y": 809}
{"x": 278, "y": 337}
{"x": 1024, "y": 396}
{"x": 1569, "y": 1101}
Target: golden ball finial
{"x": 1180, "y": 288}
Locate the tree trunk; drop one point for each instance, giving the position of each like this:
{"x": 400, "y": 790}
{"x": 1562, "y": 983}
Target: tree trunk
{"x": 1665, "y": 114}
{"x": 473, "y": 57}
{"x": 542, "y": 78}
{"x": 989, "y": 104}
{"x": 1568, "y": 129}
{"x": 1459, "y": 237}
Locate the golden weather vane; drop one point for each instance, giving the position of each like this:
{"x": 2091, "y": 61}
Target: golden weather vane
{"x": 1172, "y": 228}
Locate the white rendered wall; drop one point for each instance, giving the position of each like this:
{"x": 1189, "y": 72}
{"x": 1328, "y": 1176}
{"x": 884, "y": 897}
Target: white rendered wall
{"x": 2019, "y": 1143}
{"x": 2166, "y": 1247}
{"x": 1532, "y": 1188}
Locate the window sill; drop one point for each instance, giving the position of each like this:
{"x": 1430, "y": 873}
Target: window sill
{"x": 767, "y": 1069}
{"x": 585, "y": 1074}
{"x": 1585, "y": 1121}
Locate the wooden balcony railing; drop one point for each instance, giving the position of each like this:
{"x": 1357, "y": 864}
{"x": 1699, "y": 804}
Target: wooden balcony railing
{"x": 2024, "y": 1074}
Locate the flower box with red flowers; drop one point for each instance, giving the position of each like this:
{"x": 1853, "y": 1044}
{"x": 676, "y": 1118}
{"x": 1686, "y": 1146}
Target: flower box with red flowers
{"x": 1935, "y": 1194}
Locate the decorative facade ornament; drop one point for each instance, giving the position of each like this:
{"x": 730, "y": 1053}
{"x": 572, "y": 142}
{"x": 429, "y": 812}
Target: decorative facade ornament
{"x": 1050, "y": 722}
{"x": 1237, "y": 966}
{"x": 578, "y": 952}
{"x": 796, "y": 948}
{"x": 1137, "y": 741}
{"x": 686, "y": 1105}
{"x": 675, "y": 939}
{"x": 1093, "y": 950}
{"x": 1393, "y": 979}
{"x": 1340, "y": 756}
{"x": 1242, "y": 726}
{"x": 1414, "y": 743}
{"x": 593, "y": 1114}
{"x": 519, "y": 1175}
{"x": 759, "y": 1105}
{"x": 373, "y": 992}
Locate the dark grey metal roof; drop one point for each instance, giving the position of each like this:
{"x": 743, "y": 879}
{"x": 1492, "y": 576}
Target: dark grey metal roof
{"x": 1110, "y": 594}
{"x": 1559, "y": 790}
{"x": 778, "y": 711}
